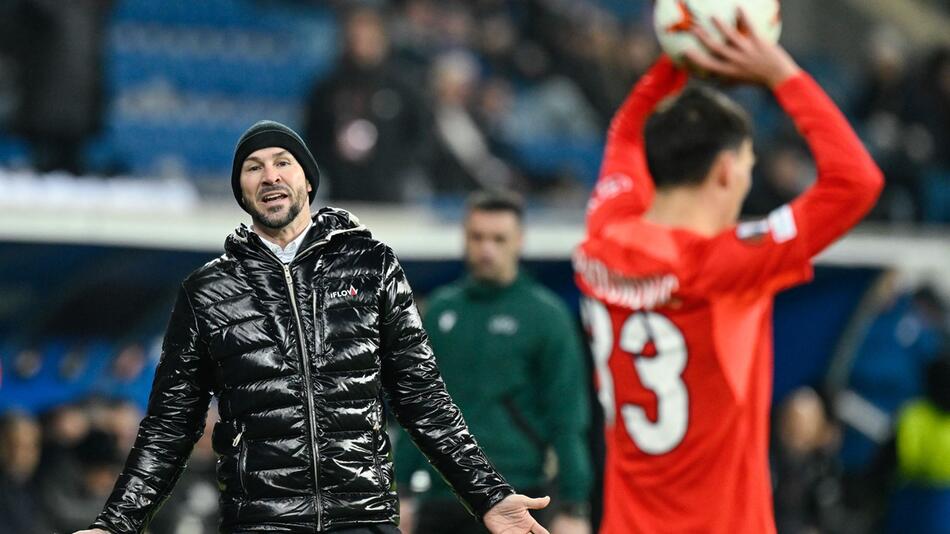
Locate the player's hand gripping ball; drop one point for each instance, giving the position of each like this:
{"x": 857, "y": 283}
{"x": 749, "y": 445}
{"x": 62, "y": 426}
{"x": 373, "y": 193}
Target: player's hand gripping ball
{"x": 674, "y": 20}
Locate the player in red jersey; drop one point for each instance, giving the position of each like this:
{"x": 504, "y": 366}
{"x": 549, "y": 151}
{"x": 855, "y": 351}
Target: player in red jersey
{"x": 679, "y": 296}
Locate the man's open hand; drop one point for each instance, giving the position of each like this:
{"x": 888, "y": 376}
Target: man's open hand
{"x": 511, "y": 516}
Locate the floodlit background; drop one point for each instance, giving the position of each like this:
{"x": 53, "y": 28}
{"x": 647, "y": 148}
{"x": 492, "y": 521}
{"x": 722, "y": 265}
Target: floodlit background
{"x": 117, "y": 125}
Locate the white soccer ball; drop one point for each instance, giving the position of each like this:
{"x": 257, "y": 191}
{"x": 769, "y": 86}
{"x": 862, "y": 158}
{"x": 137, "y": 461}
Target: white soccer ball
{"x": 672, "y": 20}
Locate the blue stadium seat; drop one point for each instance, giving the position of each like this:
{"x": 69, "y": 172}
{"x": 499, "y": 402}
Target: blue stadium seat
{"x": 50, "y": 387}
{"x": 223, "y": 64}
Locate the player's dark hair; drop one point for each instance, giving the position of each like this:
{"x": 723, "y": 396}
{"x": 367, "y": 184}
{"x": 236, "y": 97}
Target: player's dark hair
{"x": 684, "y": 135}
{"x": 497, "y": 201}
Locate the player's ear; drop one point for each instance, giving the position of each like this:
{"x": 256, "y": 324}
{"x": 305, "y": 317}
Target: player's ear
{"x": 722, "y": 169}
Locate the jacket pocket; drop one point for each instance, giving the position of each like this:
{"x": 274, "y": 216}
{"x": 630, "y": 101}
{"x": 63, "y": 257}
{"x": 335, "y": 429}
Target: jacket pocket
{"x": 227, "y": 440}
{"x": 240, "y": 443}
{"x": 377, "y": 417}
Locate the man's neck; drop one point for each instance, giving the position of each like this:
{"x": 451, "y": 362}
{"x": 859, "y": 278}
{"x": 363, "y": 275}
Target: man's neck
{"x": 284, "y": 235}
{"x": 502, "y": 280}
{"x": 685, "y": 208}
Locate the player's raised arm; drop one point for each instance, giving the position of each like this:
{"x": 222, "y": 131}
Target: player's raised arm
{"x": 849, "y": 181}
{"x": 624, "y": 186}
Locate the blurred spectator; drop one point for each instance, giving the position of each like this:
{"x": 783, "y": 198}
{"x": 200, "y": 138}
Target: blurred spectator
{"x": 499, "y": 41}
{"x": 907, "y": 488}
{"x": 902, "y": 334}
{"x": 808, "y": 496}
{"x": 589, "y": 46}
{"x": 890, "y": 110}
{"x": 60, "y": 55}
{"x": 921, "y": 454}
{"x": 120, "y": 418}
{"x": 19, "y": 455}
{"x": 365, "y": 123}
{"x": 896, "y": 335}
{"x": 493, "y": 107}
{"x": 70, "y": 502}
{"x": 63, "y": 428}
{"x": 415, "y": 36}
{"x": 462, "y": 157}
{"x": 932, "y": 108}
{"x": 551, "y": 107}
{"x": 885, "y": 87}
{"x": 193, "y": 507}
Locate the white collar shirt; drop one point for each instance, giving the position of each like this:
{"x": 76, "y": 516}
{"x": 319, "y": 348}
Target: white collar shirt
{"x": 286, "y": 254}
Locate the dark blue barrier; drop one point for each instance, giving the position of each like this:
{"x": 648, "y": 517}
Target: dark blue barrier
{"x": 98, "y": 299}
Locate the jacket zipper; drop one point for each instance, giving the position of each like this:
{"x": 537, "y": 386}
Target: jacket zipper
{"x": 305, "y": 362}
{"x": 301, "y": 341}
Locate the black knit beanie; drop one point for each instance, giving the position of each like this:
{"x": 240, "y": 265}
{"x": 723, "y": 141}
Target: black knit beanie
{"x": 264, "y": 134}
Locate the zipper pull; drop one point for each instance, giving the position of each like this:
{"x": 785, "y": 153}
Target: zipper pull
{"x": 237, "y": 439}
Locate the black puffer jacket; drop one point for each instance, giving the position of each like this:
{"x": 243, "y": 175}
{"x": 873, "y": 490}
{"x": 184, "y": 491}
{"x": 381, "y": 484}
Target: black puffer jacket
{"x": 300, "y": 356}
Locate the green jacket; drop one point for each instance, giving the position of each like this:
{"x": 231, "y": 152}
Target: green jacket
{"x": 512, "y": 360}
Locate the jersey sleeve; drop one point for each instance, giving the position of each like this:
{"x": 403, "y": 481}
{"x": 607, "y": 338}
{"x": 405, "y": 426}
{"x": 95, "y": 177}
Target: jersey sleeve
{"x": 624, "y": 187}
{"x": 849, "y": 182}
{"x": 776, "y": 252}
{"x": 764, "y": 256}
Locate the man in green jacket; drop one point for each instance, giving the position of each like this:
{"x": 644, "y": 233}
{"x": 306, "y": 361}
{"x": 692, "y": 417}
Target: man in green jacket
{"x": 511, "y": 358}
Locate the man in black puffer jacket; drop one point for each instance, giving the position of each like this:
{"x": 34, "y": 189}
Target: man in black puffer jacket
{"x": 300, "y": 329}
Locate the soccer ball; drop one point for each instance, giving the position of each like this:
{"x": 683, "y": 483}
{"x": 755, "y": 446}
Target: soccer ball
{"x": 673, "y": 19}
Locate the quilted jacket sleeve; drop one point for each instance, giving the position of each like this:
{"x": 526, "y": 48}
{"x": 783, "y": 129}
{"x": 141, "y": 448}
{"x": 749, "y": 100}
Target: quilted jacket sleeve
{"x": 177, "y": 408}
{"x": 421, "y": 404}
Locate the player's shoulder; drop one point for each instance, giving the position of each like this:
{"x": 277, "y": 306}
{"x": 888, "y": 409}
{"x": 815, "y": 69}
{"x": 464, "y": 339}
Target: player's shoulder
{"x": 748, "y": 236}
{"x": 211, "y": 271}
{"x": 637, "y": 247}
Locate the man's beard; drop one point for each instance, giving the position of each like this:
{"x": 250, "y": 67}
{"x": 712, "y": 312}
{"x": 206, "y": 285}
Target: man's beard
{"x": 276, "y": 221}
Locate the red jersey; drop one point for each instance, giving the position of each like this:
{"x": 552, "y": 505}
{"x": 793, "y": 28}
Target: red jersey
{"x": 680, "y": 323}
